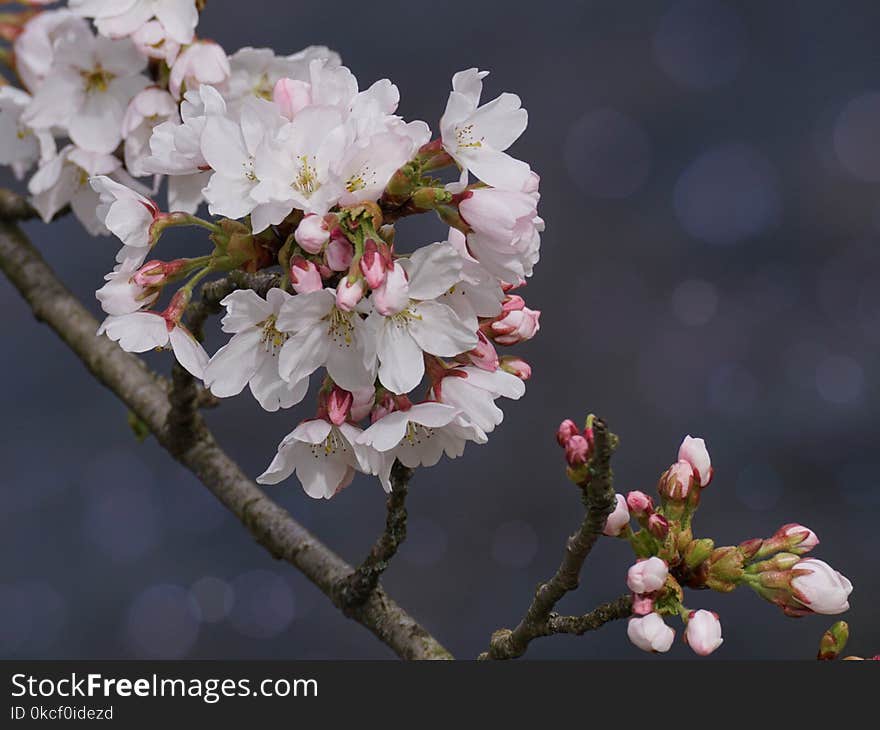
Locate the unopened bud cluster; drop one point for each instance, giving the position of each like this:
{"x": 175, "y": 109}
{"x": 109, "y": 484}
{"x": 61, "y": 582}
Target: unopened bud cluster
{"x": 669, "y": 558}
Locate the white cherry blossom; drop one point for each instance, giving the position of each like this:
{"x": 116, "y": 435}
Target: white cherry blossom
{"x": 64, "y": 180}
{"x": 143, "y": 331}
{"x": 473, "y": 392}
{"x": 89, "y": 87}
{"x": 251, "y": 356}
{"x": 424, "y": 325}
{"x": 476, "y": 137}
{"x": 418, "y": 436}
{"x": 119, "y": 18}
{"x": 324, "y": 456}
{"x": 324, "y": 335}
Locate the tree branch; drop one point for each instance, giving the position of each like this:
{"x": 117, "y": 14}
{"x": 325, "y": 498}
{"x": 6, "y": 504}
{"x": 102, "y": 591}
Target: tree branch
{"x": 144, "y": 394}
{"x": 355, "y": 589}
{"x": 597, "y": 494}
{"x": 595, "y": 619}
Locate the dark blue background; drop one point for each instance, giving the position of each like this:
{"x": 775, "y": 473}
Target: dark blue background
{"x": 710, "y": 178}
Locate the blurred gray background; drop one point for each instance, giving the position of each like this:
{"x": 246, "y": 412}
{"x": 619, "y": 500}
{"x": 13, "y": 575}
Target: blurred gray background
{"x": 711, "y": 183}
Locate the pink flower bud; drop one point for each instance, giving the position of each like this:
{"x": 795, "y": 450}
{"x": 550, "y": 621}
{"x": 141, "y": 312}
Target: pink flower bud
{"x": 304, "y": 276}
{"x": 339, "y": 253}
{"x": 176, "y": 307}
{"x": 155, "y": 273}
{"x": 618, "y": 519}
{"x": 642, "y": 605}
{"x": 312, "y": 233}
{"x": 349, "y": 293}
{"x": 796, "y": 538}
{"x": 566, "y": 430}
{"x": 516, "y": 366}
{"x": 516, "y": 323}
{"x": 658, "y": 526}
{"x": 292, "y": 96}
{"x": 577, "y": 450}
{"x": 649, "y": 633}
{"x": 372, "y": 265}
{"x": 639, "y": 504}
{"x": 676, "y": 482}
{"x": 338, "y": 405}
{"x": 647, "y": 576}
{"x": 820, "y": 588}
{"x": 484, "y": 355}
{"x": 694, "y": 452}
{"x": 393, "y": 296}
{"x": 703, "y": 633}
{"x": 362, "y": 402}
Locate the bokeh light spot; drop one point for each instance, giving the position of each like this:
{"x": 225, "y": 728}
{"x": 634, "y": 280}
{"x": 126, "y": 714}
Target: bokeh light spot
{"x": 700, "y": 44}
{"x": 161, "y": 623}
{"x": 839, "y": 379}
{"x": 727, "y": 194}
{"x": 856, "y": 141}
{"x": 264, "y": 604}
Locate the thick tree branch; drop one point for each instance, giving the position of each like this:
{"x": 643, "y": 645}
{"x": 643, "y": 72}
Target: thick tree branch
{"x": 13, "y": 207}
{"x": 355, "y": 589}
{"x": 597, "y": 493}
{"x": 147, "y": 397}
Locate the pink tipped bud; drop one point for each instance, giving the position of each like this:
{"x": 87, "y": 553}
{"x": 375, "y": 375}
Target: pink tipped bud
{"x": 796, "y": 538}
{"x": 676, "y": 482}
{"x": 312, "y": 233}
{"x": 566, "y": 430}
{"x": 176, "y": 307}
{"x": 484, "y": 355}
{"x": 304, "y": 276}
{"x": 372, "y": 265}
{"x": 516, "y": 366}
{"x": 156, "y": 273}
{"x": 339, "y": 405}
{"x": 642, "y": 605}
{"x": 658, "y": 526}
{"x": 694, "y": 452}
{"x": 339, "y": 253}
{"x": 647, "y": 576}
{"x": 577, "y": 450}
{"x": 650, "y": 633}
{"x": 292, "y": 96}
{"x": 618, "y": 519}
{"x": 639, "y": 504}
{"x": 516, "y": 323}
{"x": 393, "y": 296}
{"x": 349, "y": 293}
{"x": 819, "y": 587}
{"x": 703, "y": 633}
{"x": 362, "y": 402}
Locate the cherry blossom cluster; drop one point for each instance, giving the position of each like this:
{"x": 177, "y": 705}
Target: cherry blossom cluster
{"x": 304, "y": 175}
{"x": 669, "y": 558}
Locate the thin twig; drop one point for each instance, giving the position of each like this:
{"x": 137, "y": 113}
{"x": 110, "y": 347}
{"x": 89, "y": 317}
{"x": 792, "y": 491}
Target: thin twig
{"x": 147, "y": 398}
{"x": 578, "y": 625}
{"x": 356, "y": 588}
{"x": 597, "y": 493}
{"x": 214, "y": 292}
